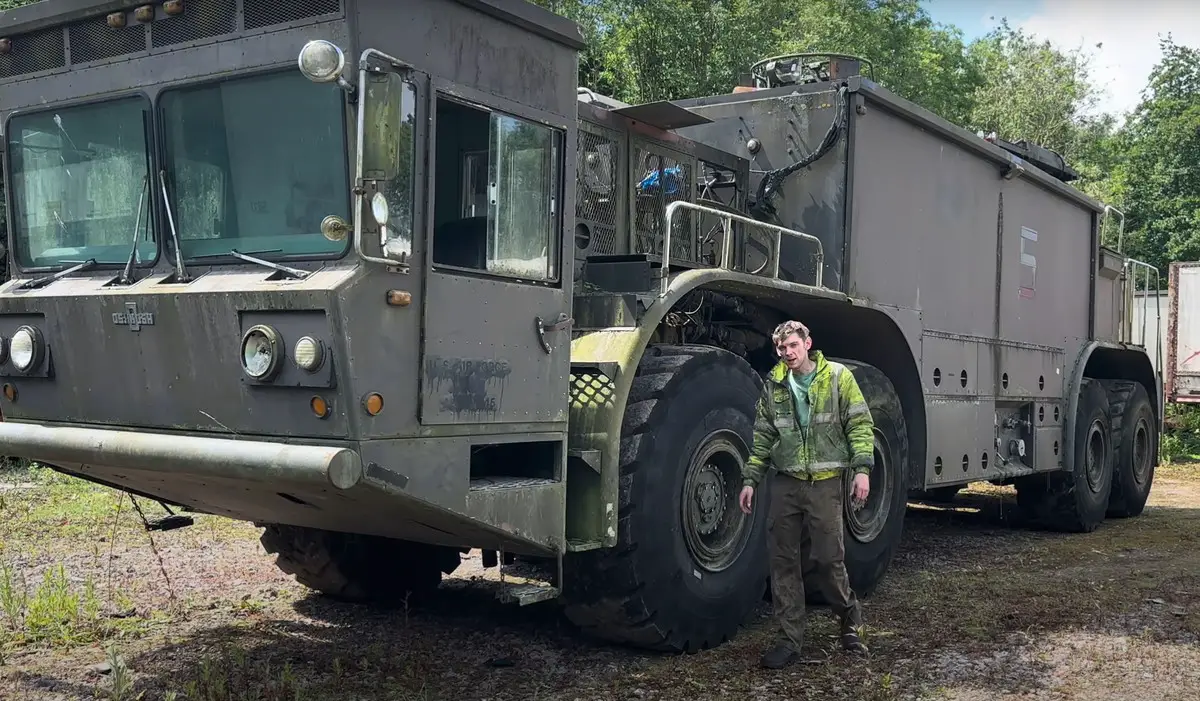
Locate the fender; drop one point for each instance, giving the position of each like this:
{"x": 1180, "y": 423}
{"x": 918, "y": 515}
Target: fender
{"x": 1139, "y": 374}
{"x": 595, "y": 429}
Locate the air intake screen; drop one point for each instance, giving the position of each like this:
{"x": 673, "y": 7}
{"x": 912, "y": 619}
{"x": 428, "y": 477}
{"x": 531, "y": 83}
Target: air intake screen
{"x": 201, "y": 19}
{"x": 264, "y": 13}
{"x": 37, "y": 51}
{"x": 94, "y": 40}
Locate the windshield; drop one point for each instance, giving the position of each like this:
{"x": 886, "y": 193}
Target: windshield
{"x": 255, "y": 164}
{"x": 77, "y": 178}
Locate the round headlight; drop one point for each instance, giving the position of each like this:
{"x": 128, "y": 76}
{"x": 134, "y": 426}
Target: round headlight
{"x": 262, "y": 350}
{"x": 308, "y": 354}
{"x": 321, "y": 61}
{"x": 25, "y": 348}
{"x": 379, "y": 209}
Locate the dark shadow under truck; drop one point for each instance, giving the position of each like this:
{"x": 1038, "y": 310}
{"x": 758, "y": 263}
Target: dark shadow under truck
{"x": 419, "y": 293}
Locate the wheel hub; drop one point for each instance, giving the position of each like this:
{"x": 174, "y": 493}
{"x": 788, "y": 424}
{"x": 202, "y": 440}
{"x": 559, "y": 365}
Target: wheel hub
{"x": 1094, "y": 458}
{"x": 709, "y": 498}
{"x": 867, "y": 523}
{"x": 715, "y": 530}
{"x": 1141, "y": 452}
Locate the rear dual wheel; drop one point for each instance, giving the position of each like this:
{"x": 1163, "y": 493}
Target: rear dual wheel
{"x": 1115, "y": 453}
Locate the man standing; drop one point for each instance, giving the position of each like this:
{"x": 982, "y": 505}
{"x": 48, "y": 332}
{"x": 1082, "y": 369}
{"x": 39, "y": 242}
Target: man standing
{"x": 812, "y": 424}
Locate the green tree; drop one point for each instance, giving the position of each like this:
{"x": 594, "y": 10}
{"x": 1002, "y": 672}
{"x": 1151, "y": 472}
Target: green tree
{"x": 1158, "y": 180}
{"x": 1032, "y": 91}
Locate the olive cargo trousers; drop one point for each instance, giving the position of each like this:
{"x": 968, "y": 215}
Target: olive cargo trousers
{"x": 804, "y": 536}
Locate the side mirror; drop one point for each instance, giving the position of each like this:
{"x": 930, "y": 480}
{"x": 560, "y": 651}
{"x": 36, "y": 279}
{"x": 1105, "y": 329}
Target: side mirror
{"x": 322, "y": 61}
{"x": 389, "y": 107}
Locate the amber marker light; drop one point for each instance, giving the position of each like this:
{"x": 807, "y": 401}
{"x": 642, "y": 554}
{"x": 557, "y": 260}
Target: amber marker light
{"x": 399, "y": 298}
{"x": 373, "y": 403}
{"x": 319, "y": 406}
{"x": 10, "y": 392}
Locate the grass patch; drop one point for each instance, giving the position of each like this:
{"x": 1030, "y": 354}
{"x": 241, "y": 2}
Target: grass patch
{"x": 55, "y": 612}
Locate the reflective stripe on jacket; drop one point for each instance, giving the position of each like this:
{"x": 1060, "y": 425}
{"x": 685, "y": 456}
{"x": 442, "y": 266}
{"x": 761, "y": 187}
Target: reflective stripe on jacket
{"x": 839, "y": 435}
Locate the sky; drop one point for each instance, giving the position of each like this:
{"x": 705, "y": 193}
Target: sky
{"x": 1127, "y": 33}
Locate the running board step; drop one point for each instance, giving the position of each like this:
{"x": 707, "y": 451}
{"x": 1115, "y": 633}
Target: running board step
{"x": 482, "y": 484}
{"x": 525, "y": 594}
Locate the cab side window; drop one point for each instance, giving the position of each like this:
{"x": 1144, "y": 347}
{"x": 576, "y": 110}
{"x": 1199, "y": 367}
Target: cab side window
{"x": 497, "y": 187}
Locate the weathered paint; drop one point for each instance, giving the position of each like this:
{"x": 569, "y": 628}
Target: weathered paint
{"x": 449, "y": 384}
{"x": 461, "y": 365}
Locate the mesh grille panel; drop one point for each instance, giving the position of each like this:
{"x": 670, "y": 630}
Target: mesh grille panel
{"x": 590, "y": 390}
{"x": 37, "y": 51}
{"x": 263, "y": 13}
{"x": 660, "y": 180}
{"x": 596, "y": 197}
{"x": 201, "y": 19}
{"x": 93, "y": 40}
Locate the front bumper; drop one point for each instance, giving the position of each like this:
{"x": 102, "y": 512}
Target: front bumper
{"x": 218, "y": 458}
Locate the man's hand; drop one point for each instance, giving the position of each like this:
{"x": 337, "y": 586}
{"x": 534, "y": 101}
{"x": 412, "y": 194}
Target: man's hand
{"x": 746, "y": 499}
{"x": 862, "y": 487}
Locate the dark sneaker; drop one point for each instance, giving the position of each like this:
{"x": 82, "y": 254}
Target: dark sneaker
{"x": 780, "y": 656}
{"x": 851, "y": 641}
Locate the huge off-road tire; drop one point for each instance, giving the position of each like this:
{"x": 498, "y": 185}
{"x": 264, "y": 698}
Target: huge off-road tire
{"x": 872, "y": 534}
{"x": 688, "y": 567}
{"x": 1135, "y": 437}
{"x": 359, "y": 568}
{"x": 1076, "y": 501}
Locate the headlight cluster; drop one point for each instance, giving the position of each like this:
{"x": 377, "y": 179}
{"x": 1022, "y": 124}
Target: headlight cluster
{"x": 263, "y": 353}
{"x": 25, "y": 349}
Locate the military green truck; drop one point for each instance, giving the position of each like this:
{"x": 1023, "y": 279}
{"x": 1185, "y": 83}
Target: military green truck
{"x": 383, "y": 279}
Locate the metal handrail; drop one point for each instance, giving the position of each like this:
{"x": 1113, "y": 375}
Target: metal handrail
{"x": 1131, "y": 294}
{"x": 1108, "y": 210}
{"x": 727, "y": 243}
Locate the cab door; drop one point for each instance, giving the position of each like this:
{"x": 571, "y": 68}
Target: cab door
{"x": 497, "y": 334}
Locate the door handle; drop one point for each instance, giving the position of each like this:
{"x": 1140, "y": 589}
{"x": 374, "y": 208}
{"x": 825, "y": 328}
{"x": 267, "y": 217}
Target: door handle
{"x": 542, "y": 328}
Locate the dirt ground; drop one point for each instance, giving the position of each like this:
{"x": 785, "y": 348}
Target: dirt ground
{"x": 974, "y": 607}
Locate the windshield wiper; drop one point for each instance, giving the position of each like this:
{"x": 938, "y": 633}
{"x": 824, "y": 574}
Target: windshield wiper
{"x": 47, "y": 279}
{"x": 180, "y": 272}
{"x": 294, "y": 272}
{"x": 127, "y": 274}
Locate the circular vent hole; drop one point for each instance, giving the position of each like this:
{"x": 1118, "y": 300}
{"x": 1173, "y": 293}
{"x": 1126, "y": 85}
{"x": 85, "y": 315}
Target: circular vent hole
{"x": 937, "y": 465}
{"x": 1056, "y": 447}
{"x": 1041, "y": 382}
{"x": 1004, "y": 380}
{"x": 583, "y": 236}
{"x": 966, "y": 462}
{"x": 937, "y": 377}
{"x": 1041, "y": 414}
{"x": 962, "y": 378}
{"x": 983, "y": 460}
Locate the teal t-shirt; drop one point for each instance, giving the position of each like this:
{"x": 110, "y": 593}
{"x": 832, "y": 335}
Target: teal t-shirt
{"x": 800, "y": 387}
